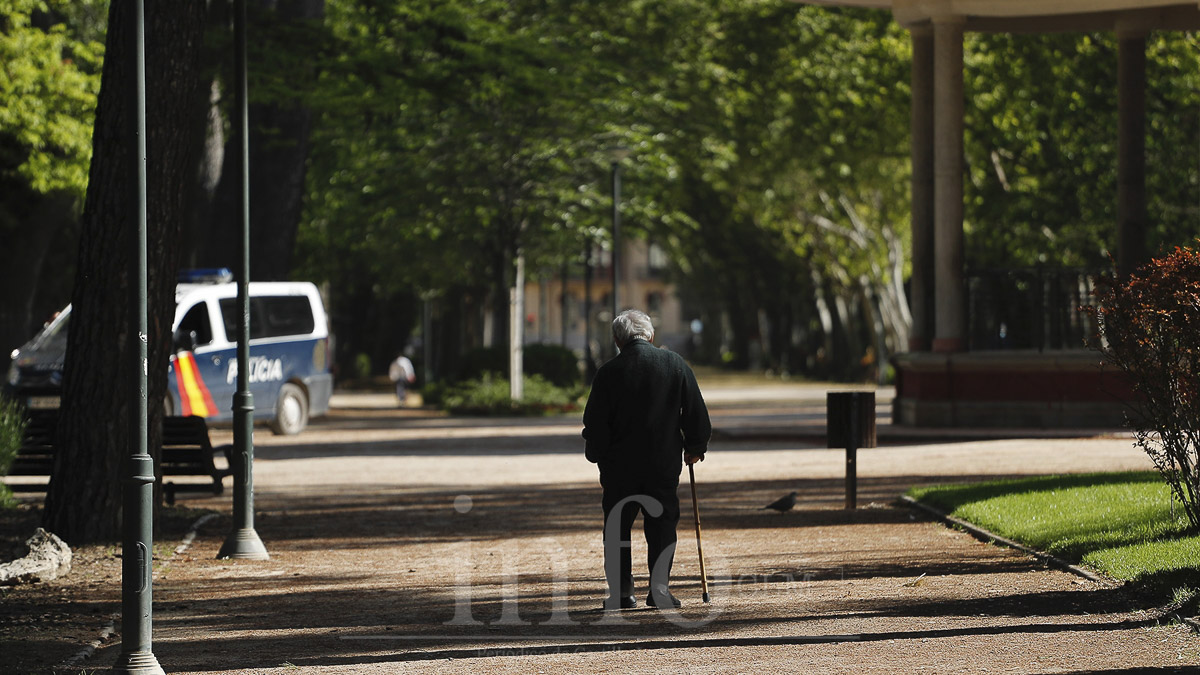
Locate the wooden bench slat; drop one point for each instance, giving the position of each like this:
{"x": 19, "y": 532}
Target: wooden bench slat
{"x": 186, "y": 451}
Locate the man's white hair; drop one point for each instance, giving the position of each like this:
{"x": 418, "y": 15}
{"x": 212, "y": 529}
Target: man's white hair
{"x": 630, "y": 325}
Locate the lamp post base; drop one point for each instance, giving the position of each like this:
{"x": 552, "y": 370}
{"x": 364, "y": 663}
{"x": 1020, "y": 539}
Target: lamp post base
{"x": 141, "y": 663}
{"x": 244, "y": 544}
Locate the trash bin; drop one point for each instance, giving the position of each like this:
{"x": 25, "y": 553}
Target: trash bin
{"x": 850, "y": 424}
{"x": 850, "y": 412}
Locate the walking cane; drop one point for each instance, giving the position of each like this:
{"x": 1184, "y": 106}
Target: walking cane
{"x": 699, "y": 546}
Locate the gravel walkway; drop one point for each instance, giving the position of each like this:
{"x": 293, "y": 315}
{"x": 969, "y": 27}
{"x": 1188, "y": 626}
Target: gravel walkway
{"x": 405, "y": 542}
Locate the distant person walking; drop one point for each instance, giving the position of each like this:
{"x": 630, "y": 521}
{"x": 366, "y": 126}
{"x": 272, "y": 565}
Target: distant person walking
{"x": 645, "y": 416}
{"x": 402, "y": 374}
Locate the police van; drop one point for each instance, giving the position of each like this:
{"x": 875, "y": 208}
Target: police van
{"x": 288, "y": 360}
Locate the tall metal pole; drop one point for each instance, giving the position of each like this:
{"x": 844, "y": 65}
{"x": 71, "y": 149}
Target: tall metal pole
{"x": 137, "y": 656}
{"x": 516, "y": 332}
{"x": 243, "y": 541}
{"x": 852, "y": 442}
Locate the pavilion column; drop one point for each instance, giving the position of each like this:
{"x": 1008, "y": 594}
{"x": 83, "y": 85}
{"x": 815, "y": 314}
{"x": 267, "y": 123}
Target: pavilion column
{"x": 949, "y": 319}
{"x": 1131, "y": 149}
{"x": 922, "y": 280}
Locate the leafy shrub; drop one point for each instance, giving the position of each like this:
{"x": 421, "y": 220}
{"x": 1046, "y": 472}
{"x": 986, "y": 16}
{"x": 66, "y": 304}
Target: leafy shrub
{"x": 489, "y": 395}
{"x": 1149, "y": 327}
{"x": 544, "y": 397}
{"x": 434, "y": 393}
{"x": 362, "y": 366}
{"x": 554, "y": 363}
{"x": 12, "y": 428}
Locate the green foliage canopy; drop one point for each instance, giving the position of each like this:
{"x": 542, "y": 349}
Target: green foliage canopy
{"x": 1042, "y": 146}
{"x": 451, "y": 137}
{"x": 768, "y": 139}
{"x": 49, "y": 79}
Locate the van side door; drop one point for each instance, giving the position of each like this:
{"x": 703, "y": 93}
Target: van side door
{"x": 280, "y": 346}
{"x": 197, "y": 379}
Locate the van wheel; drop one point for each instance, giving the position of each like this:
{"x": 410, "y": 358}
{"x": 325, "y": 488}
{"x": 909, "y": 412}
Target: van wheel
{"x": 291, "y": 411}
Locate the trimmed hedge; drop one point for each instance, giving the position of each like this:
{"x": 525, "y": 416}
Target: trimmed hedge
{"x": 554, "y": 363}
{"x": 489, "y": 395}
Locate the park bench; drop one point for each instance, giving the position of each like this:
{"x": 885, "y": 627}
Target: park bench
{"x": 186, "y": 451}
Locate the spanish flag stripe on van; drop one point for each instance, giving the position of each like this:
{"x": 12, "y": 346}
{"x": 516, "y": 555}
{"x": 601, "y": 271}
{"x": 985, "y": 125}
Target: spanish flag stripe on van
{"x": 193, "y": 394}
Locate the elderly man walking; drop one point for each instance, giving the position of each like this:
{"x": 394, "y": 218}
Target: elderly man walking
{"x": 644, "y": 418}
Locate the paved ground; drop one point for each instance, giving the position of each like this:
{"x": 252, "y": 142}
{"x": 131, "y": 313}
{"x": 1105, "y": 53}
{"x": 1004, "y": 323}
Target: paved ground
{"x": 405, "y": 542}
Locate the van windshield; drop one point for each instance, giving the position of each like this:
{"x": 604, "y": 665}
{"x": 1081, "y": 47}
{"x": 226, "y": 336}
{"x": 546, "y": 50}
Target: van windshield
{"x": 49, "y": 347}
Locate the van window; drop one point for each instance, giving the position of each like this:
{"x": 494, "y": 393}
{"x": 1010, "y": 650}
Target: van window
{"x": 271, "y": 316}
{"x": 196, "y": 321}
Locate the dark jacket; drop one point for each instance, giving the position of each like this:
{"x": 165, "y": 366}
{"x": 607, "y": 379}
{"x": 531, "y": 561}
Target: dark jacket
{"x": 644, "y": 410}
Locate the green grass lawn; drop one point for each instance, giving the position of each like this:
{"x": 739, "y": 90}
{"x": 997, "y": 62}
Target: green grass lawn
{"x": 1119, "y": 524}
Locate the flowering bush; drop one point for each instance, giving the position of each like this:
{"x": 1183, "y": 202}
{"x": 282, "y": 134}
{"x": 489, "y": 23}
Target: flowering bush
{"x": 1149, "y": 327}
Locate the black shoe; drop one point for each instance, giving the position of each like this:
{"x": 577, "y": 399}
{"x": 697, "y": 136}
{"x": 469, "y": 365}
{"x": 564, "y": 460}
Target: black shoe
{"x": 624, "y": 602}
{"x": 663, "y": 595}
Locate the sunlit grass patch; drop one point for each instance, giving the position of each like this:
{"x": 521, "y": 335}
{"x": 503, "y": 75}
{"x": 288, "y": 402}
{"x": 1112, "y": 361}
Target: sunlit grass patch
{"x": 1120, "y": 524}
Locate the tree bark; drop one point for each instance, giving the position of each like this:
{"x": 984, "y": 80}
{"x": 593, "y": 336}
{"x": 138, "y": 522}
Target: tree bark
{"x": 95, "y": 430}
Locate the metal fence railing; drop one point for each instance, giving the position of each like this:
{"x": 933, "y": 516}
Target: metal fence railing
{"x": 1029, "y": 308}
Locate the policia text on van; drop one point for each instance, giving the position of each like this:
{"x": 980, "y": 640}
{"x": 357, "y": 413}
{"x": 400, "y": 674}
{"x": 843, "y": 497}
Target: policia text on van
{"x": 289, "y": 349}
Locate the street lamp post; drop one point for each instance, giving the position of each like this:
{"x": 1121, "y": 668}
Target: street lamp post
{"x": 137, "y": 543}
{"x": 243, "y": 542}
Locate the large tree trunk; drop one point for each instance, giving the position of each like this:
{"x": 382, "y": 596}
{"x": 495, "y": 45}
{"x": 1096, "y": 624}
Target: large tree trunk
{"x": 99, "y": 392}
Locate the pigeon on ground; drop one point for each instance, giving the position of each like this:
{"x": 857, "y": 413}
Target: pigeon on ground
{"x": 784, "y": 503}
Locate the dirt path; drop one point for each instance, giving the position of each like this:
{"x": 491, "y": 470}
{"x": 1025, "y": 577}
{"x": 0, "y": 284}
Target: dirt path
{"x": 401, "y": 543}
